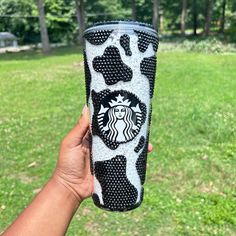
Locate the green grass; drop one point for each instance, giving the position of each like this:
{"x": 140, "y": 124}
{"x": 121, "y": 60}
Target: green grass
{"x": 191, "y": 178}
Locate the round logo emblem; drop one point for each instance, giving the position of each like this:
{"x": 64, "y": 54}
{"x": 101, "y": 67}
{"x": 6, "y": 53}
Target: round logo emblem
{"x": 118, "y": 116}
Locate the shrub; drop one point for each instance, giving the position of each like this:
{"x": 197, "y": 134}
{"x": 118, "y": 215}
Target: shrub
{"x": 211, "y": 45}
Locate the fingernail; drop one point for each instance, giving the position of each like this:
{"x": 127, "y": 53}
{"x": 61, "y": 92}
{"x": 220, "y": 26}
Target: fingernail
{"x": 150, "y": 146}
{"x": 84, "y": 109}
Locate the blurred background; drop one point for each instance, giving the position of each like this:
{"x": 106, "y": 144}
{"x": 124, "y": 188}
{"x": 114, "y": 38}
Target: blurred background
{"x": 62, "y": 22}
{"x": 190, "y": 186}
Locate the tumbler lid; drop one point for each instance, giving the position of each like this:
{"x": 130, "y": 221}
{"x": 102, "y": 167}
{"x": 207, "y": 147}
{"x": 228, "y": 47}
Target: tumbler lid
{"x": 121, "y": 25}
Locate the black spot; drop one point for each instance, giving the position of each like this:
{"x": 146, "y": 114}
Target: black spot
{"x": 104, "y": 97}
{"x": 96, "y": 199}
{"x": 148, "y": 68}
{"x": 144, "y": 111}
{"x": 141, "y": 162}
{"x": 98, "y": 37}
{"x": 118, "y": 193}
{"x": 150, "y": 115}
{"x": 142, "y": 193}
{"x": 140, "y": 144}
{"x": 144, "y": 39}
{"x": 112, "y": 67}
{"x": 125, "y": 43}
{"x": 90, "y": 137}
{"x": 87, "y": 77}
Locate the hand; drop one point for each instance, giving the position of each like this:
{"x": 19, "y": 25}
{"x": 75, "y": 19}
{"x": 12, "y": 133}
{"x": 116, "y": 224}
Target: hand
{"x": 73, "y": 167}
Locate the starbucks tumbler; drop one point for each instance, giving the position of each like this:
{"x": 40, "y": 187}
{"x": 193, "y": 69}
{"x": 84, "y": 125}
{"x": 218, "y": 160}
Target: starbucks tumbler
{"x": 120, "y": 66}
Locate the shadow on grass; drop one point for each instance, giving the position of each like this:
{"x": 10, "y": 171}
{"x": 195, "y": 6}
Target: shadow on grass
{"x": 37, "y": 54}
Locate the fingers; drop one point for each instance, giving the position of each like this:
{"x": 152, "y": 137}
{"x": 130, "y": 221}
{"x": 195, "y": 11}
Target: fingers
{"x": 150, "y": 147}
{"x": 77, "y": 134}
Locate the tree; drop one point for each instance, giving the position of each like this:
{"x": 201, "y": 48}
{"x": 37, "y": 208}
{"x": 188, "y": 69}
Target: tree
{"x": 222, "y": 19}
{"x": 209, "y": 9}
{"x": 25, "y": 28}
{"x": 133, "y": 7}
{"x": 80, "y": 15}
{"x": 195, "y": 15}
{"x": 155, "y": 16}
{"x": 43, "y": 28}
{"x": 61, "y": 21}
{"x": 183, "y": 16}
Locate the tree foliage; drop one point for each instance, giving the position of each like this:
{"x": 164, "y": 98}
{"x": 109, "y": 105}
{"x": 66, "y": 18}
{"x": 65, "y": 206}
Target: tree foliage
{"x": 13, "y": 19}
{"x": 21, "y": 16}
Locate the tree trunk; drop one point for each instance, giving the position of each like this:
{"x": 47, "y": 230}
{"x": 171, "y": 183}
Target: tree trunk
{"x": 222, "y": 19}
{"x": 133, "y": 7}
{"x": 208, "y": 16}
{"x": 183, "y": 16}
{"x": 80, "y": 15}
{"x": 195, "y": 15}
{"x": 161, "y": 27}
{"x": 155, "y": 16}
{"x": 43, "y": 28}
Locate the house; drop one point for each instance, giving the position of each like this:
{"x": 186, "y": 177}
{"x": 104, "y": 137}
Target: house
{"x": 8, "y": 40}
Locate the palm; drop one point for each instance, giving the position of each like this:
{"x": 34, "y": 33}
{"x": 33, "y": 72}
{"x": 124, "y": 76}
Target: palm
{"x": 74, "y": 167}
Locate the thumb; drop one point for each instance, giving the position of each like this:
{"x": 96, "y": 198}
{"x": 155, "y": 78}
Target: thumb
{"x": 76, "y": 135}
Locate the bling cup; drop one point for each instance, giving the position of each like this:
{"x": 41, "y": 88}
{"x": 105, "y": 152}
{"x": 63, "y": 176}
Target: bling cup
{"x": 120, "y": 66}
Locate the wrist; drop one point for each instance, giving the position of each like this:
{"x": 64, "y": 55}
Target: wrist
{"x": 64, "y": 189}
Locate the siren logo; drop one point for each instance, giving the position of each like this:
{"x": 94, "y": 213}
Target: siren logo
{"x": 119, "y": 116}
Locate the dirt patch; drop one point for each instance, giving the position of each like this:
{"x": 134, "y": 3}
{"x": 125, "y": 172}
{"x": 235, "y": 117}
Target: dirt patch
{"x": 86, "y": 211}
{"x": 93, "y": 228}
{"x": 24, "y": 178}
{"x": 210, "y": 188}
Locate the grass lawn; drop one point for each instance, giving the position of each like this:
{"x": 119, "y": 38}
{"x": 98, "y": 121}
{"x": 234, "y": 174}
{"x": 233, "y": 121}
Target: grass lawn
{"x": 191, "y": 178}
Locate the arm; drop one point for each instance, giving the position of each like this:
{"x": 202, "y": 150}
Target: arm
{"x": 53, "y": 208}
{"x": 49, "y": 214}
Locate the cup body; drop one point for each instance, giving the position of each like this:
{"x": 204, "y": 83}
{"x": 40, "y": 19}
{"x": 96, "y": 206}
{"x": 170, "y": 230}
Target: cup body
{"x": 120, "y": 66}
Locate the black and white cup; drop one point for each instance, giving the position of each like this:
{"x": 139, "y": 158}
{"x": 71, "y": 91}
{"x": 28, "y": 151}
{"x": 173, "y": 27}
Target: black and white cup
{"x": 120, "y": 67}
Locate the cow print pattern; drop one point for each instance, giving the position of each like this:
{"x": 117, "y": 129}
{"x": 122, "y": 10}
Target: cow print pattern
{"x": 98, "y": 99}
{"x": 125, "y": 44}
{"x": 118, "y": 194}
{"x": 98, "y": 37}
{"x": 117, "y": 191}
{"x": 148, "y": 68}
{"x": 87, "y": 77}
{"x": 140, "y": 144}
{"x": 112, "y": 67}
{"x": 141, "y": 163}
{"x": 144, "y": 39}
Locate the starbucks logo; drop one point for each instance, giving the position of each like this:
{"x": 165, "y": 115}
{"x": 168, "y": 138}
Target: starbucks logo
{"x": 119, "y": 116}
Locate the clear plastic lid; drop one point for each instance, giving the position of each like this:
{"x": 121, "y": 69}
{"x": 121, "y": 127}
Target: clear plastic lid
{"x": 122, "y": 25}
